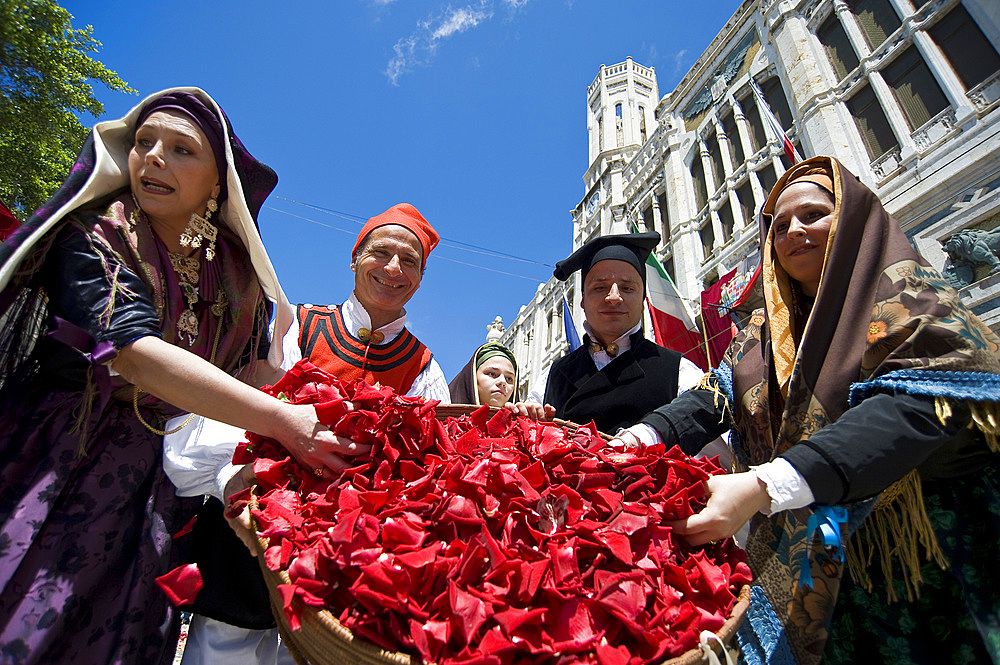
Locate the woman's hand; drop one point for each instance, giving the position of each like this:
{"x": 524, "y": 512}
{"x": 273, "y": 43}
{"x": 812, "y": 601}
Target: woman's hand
{"x": 193, "y": 384}
{"x": 532, "y": 410}
{"x": 311, "y": 442}
{"x": 733, "y": 499}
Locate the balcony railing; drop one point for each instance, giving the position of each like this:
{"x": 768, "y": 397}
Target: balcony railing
{"x": 986, "y": 93}
{"x": 887, "y": 164}
{"x": 934, "y": 130}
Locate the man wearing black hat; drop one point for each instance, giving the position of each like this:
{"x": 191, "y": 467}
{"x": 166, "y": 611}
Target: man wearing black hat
{"x": 617, "y": 376}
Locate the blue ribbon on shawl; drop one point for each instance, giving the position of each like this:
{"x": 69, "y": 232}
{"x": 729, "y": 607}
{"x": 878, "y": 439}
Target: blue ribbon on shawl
{"x": 826, "y": 520}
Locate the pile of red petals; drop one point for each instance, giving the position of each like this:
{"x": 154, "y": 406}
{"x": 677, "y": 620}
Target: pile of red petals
{"x": 489, "y": 539}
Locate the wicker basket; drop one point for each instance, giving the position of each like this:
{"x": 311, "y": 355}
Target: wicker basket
{"x": 322, "y": 640}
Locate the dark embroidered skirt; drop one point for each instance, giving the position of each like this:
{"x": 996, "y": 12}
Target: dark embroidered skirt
{"x": 957, "y": 617}
{"x": 83, "y": 537}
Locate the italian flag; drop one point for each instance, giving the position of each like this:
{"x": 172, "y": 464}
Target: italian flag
{"x": 672, "y": 323}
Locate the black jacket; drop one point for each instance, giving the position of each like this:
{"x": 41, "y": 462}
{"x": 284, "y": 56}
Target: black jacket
{"x": 630, "y": 386}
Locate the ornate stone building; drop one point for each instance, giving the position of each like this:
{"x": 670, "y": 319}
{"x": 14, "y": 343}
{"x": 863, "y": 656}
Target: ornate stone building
{"x": 906, "y": 93}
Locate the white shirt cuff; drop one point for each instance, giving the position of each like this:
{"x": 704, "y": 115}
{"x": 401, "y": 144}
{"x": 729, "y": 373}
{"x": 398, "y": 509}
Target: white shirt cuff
{"x": 786, "y": 487}
{"x": 222, "y": 479}
{"x": 646, "y": 435}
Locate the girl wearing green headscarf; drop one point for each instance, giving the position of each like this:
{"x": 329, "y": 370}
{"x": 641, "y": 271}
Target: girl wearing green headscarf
{"x": 490, "y": 377}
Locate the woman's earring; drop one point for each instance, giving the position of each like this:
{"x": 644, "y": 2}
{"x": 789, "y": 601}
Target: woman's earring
{"x": 199, "y": 229}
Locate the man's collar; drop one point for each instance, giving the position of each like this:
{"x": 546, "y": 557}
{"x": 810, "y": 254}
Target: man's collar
{"x": 620, "y": 345}
{"x": 356, "y": 317}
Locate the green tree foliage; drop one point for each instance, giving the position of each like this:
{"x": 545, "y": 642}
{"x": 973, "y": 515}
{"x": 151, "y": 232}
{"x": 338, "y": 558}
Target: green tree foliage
{"x": 45, "y": 75}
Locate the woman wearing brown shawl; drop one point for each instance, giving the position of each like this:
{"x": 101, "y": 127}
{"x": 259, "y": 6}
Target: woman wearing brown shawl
{"x": 490, "y": 377}
{"x": 137, "y": 292}
{"x": 869, "y": 397}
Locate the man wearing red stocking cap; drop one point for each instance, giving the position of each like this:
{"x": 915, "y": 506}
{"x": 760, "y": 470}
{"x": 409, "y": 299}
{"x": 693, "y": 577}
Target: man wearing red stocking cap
{"x": 364, "y": 337}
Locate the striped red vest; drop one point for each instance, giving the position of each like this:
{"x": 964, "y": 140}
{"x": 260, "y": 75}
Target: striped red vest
{"x": 326, "y": 343}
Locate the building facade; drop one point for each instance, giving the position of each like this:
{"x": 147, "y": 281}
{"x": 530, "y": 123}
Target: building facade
{"x": 906, "y": 93}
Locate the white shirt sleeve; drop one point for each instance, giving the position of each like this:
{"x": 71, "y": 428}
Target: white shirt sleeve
{"x": 431, "y": 384}
{"x": 786, "y": 487}
{"x": 198, "y": 458}
{"x": 688, "y": 375}
{"x": 536, "y": 391}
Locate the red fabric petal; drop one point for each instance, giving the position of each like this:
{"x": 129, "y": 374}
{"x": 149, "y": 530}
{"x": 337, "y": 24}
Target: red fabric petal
{"x": 181, "y": 584}
{"x": 187, "y": 528}
{"x": 491, "y": 537}
{"x": 468, "y": 613}
{"x": 609, "y": 655}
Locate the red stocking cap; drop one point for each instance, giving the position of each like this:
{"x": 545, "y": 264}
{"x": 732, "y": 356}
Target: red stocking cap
{"x": 405, "y": 215}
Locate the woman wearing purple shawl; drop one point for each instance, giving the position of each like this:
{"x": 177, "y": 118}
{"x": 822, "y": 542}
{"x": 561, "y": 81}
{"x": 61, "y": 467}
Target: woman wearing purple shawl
{"x": 138, "y": 292}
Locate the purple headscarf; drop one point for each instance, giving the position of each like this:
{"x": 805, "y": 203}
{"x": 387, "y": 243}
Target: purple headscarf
{"x": 201, "y": 115}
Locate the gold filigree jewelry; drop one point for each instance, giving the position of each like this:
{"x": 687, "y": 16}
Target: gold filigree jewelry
{"x": 221, "y": 303}
{"x": 215, "y": 349}
{"x": 199, "y": 229}
{"x": 133, "y": 217}
{"x": 188, "y": 270}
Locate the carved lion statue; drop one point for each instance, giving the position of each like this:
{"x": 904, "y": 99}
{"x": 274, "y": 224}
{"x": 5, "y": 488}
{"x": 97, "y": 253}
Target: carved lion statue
{"x": 969, "y": 248}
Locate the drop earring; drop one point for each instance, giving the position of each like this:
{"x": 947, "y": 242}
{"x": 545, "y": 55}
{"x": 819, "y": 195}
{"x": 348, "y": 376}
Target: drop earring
{"x": 200, "y": 229}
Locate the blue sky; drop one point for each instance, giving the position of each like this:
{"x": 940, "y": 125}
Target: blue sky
{"x": 474, "y": 112}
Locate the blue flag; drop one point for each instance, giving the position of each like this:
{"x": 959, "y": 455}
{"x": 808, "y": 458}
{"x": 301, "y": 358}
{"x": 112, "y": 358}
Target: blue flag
{"x": 572, "y": 336}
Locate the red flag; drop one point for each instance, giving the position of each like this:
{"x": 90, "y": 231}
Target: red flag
{"x": 8, "y": 222}
{"x": 715, "y": 318}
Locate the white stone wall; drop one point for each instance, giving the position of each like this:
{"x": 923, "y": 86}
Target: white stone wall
{"x": 941, "y": 177}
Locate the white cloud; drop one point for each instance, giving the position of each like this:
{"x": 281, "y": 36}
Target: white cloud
{"x": 419, "y": 47}
{"x": 459, "y": 21}
{"x": 679, "y": 60}
{"x": 651, "y": 55}
{"x": 516, "y": 4}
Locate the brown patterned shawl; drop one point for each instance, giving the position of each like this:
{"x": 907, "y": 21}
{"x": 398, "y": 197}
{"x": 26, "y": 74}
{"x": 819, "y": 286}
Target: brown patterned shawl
{"x": 880, "y": 309}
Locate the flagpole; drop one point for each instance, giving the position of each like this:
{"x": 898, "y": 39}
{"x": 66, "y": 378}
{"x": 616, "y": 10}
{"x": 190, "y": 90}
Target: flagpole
{"x": 704, "y": 338}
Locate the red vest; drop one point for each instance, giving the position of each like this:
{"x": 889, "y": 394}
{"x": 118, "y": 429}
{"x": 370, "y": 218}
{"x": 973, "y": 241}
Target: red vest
{"x": 326, "y": 343}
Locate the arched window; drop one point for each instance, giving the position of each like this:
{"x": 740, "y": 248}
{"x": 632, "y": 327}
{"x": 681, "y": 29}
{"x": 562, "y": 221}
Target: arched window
{"x": 619, "y": 127}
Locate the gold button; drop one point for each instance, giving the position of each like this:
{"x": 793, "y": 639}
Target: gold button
{"x": 364, "y": 334}
{"x": 377, "y": 337}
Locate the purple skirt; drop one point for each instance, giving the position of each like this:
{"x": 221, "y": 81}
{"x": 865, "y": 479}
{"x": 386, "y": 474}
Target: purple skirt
{"x": 83, "y": 537}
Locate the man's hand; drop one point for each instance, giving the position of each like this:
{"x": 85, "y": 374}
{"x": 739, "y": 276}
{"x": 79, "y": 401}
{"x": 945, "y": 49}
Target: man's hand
{"x": 733, "y": 499}
{"x": 532, "y": 410}
{"x": 628, "y": 439}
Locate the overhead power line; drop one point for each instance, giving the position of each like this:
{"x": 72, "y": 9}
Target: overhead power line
{"x": 457, "y": 244}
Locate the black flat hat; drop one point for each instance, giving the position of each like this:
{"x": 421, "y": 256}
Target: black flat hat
{"x": 632, "y": 248}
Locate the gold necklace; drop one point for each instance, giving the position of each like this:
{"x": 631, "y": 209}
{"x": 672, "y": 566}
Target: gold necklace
{"x": 188, "y": 270}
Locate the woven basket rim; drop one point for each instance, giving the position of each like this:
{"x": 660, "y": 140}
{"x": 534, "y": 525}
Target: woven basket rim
{"x": 456, "y": 410}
